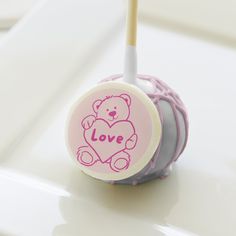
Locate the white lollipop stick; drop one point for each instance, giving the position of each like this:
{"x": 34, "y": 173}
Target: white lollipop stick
{"x": 130, "y": 68}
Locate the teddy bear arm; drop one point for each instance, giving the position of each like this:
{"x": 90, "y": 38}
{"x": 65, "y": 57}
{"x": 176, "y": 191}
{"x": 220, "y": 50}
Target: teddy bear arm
{"x": 131, "y": 142}
{"x": 88, "y": 121}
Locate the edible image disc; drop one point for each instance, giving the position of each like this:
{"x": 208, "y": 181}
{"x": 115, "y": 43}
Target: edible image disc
{"x": 113, "y": 131}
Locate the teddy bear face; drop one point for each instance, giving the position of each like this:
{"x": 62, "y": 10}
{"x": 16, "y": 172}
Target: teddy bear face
{"x": 113, "y": 108}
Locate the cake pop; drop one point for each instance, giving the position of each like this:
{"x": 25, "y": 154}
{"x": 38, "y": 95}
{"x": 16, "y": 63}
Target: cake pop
{"x": 129, "y": 128}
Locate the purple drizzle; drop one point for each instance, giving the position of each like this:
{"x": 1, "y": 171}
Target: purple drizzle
{"x": 162, "y": 92}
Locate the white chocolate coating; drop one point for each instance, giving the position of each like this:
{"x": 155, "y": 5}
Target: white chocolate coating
{"x": 106, "y": 133}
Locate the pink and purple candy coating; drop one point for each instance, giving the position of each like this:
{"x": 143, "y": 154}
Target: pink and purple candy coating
{"x": 174, "y": 121}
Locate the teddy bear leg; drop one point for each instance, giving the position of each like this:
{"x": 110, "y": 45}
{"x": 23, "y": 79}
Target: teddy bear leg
{"x": 120, "y": 161}
{"x": 86, "y": 156}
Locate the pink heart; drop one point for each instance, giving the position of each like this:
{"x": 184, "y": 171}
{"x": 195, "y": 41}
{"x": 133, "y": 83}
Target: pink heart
{"x": 107, "y": 140}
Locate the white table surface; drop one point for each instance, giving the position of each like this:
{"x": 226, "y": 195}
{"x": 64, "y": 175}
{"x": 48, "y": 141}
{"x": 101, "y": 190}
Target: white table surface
{"x": 43, "y": 193}
{"x": 13, "y": 10}
{"x": 2, "y": 33}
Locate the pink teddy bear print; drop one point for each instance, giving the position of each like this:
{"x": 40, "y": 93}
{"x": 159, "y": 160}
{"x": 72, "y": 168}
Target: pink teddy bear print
{"x": 108, "y": 134}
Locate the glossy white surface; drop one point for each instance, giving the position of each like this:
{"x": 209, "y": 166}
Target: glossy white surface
{"x": 56, "y": 41}
{"x": 12, "y": 10}
{"x": 214, "y": 19}
{"x": 43, "y": 193}
{"x": 2, "y": 33}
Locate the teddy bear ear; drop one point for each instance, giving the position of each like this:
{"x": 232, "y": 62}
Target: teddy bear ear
{"x": 127, "y": 98}
{"x": 96, "y": 105}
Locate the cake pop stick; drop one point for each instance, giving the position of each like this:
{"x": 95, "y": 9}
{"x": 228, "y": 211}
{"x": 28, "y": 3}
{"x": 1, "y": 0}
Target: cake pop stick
{"x": 130, "y": 67}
